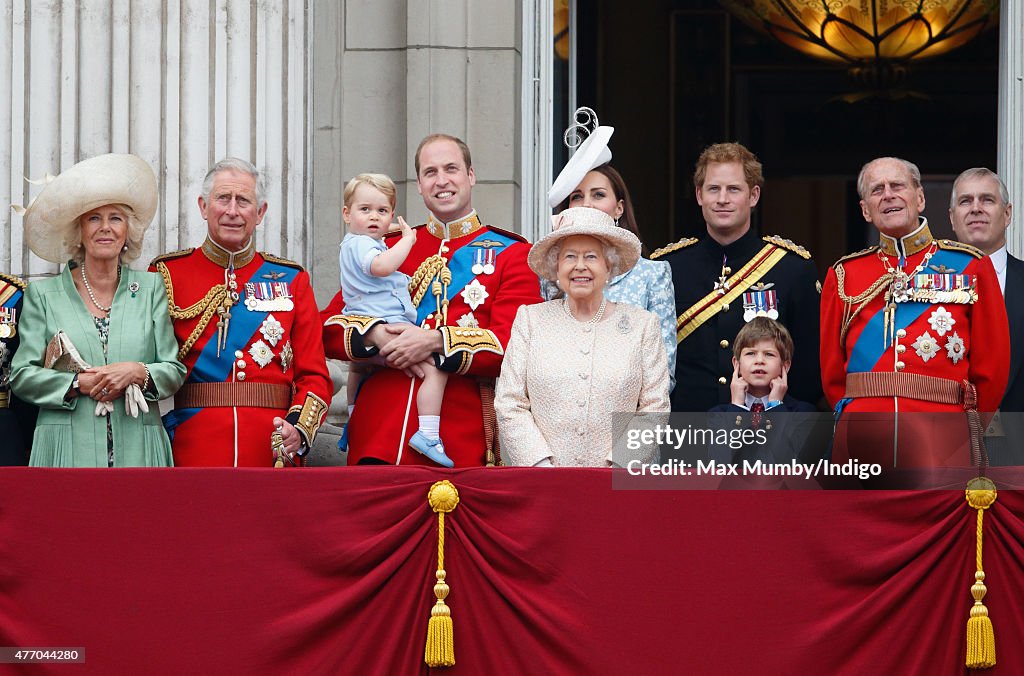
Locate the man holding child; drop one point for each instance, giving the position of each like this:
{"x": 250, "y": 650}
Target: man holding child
{"x": 468, "y": 281}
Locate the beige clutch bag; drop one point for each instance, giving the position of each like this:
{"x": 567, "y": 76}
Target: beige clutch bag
{"x": 62, "y": 355}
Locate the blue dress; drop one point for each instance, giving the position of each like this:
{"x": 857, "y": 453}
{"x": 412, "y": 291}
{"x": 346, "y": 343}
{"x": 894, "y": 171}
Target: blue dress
{"x": 366, "y": 294}
{"x": 649, "y": 286}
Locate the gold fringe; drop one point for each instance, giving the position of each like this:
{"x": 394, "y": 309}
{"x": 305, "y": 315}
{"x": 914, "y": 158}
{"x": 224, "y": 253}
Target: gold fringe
{"x": 981, "y": 642}
{"x": 440, "y": 648}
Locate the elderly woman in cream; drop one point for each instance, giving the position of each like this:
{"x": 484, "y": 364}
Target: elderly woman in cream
{"x": 573, "y": 362}
{"x": 110, "y": 322}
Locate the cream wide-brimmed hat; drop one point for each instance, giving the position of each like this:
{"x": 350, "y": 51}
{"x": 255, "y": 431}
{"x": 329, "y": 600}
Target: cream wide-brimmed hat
{"x": 52, "y": 218}
{"x": 592, "y": 223}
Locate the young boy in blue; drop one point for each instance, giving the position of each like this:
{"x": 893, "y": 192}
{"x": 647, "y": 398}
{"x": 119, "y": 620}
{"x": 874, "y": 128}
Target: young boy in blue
{"x": 373, "y": 287}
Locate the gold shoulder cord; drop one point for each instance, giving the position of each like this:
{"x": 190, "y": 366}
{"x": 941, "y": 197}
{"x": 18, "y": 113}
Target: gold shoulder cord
{"x": 881, "y": 284}
{"x": 207, "y": 306}
{"x": 432, "y": 274}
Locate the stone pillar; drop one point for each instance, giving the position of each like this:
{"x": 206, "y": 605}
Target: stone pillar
{"x": 180, "y": 83}
{"x": 1011, "y": 114}
{"x": 390, "y": 72}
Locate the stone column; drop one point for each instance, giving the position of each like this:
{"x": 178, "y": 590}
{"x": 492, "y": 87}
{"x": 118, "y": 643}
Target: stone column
{"x": 1011, "y": 114}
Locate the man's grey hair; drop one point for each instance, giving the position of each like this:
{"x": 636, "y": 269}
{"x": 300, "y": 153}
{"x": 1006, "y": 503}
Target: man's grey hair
{"x": 241, "y": 166}
{"x": 862, "y": 188}
{"x": 979, "y": 172}
{"x": 611, "y": 255}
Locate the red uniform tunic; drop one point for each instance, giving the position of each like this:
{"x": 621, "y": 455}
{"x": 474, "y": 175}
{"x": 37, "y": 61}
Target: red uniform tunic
{"x": 482, "y": 272}
{"x": 949, "y": 322}
{"x": 270, "y": 363}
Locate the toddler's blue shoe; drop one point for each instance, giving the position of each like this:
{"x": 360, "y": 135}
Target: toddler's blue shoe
{"x": 432, "y": 448}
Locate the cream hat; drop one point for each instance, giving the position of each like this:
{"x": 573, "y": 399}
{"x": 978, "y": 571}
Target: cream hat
{"x": 592, "y": 153}
{"x": 592, "y": 223}
{"x": 52, "y": 218}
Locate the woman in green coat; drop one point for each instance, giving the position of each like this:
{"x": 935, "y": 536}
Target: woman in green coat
{"x": 97, "y": 212}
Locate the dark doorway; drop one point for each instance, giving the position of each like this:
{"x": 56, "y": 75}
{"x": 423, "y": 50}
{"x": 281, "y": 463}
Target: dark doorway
{"x": 674, "y": 76}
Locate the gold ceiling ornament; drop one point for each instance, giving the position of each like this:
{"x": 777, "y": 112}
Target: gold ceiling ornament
{"x": 871, "y": 37}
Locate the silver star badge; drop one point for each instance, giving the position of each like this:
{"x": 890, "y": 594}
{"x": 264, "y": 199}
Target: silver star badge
{"x": 286, "y": 356}
{"x": 272, "y": 330}
{"x": 261, "y": 353}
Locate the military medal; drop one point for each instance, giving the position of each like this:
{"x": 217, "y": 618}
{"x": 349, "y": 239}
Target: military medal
{"x": 478, "y": 262}
{"x": 8, "y": 322}
{"x": 474, "y": 294}
{"x": 272, "y": 330}
{"x": 268, "y": 297}
{"x": 489, "y": 259}
{"x": 945, "y": 287}
{"x": 286, "y": 356}
{"x": 261, "y": 353}
{"x": 941, "y": 321}
{"x": 763, "y": 303}
{"x": 925, "y": 346}
{"x": 955, "y": 349}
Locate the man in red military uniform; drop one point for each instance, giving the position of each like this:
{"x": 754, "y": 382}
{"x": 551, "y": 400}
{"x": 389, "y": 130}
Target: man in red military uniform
{"x": 467, "y": 281}
{"x": 913, "y": 335}
{"x": 249, "y": 332}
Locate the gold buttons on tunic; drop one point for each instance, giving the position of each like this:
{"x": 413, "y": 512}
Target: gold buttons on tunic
{"x": 901, "y": 333}
{"x": 241, "y": 376}
{"x": 900, "y": 349}
{"x": 724, "y": 344}
{"x": 722, "y": 381}
{"x": 238, "y": 354}
{"x": 725, "y": 307}
{"x": 900, "y": 366}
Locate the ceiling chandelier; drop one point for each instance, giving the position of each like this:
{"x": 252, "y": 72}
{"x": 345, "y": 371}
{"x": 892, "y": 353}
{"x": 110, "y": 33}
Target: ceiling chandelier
{"x": 875, "y": 39}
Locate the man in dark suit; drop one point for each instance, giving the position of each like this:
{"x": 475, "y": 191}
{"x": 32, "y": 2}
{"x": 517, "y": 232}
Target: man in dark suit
{"x": 980, "y": 212}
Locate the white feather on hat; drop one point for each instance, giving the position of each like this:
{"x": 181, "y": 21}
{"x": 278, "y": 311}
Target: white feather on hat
{"x": 52, "y": 217}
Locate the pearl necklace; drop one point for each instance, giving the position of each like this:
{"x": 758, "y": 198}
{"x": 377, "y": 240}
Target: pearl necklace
{"x": 92, "y": 296}
{"x": 597, "y": 315}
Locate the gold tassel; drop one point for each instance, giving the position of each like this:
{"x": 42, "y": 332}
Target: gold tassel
{"x": 440, "y": 648}
{"x": 981, "y": 640}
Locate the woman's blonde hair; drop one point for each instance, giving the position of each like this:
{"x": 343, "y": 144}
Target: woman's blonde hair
{"x": 132, "y": 241}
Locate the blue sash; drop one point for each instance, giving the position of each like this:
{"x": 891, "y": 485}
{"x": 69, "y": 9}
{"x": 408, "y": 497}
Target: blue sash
{"x": 868, "y": 349}
{"x": 209, "y": 368}
{"x": 461, "y": 266}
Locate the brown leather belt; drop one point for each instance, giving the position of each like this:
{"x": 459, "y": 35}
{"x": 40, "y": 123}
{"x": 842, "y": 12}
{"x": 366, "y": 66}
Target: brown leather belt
{"x": 254, "y": 395}
{"x": 925, "y": 388}
{"x": 5, "y": 399}
{"x": 907, "y": 385}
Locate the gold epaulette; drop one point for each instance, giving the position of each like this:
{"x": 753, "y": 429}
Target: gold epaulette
{"x": 398, "y": 233}
{"x": 281, "y": 261}
{"x": 674, "y": 246}
{"x": 788, "y": 245}
{"x": 856, "y": 254}
{"x": 953, "y": 245}
{"x": 172, "y": 255}
{"x": 508, "y": 233}
{"x": 13, "y": 281}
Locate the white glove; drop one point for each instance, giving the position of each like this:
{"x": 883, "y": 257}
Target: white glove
{"x": 104, "y": 407}
{"x": 134, "y": 401}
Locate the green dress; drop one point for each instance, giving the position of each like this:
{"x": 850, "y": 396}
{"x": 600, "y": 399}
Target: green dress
{"x": 68, "y": 432}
